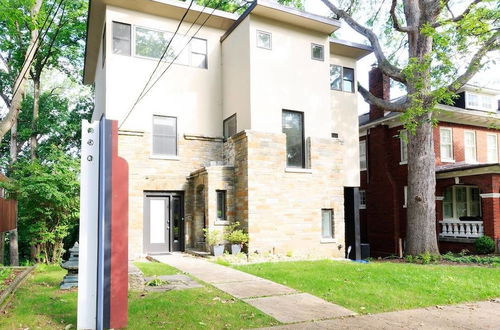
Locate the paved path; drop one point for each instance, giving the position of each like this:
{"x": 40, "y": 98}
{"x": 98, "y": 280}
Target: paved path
{"x": 283, "y": 303}
{"x": 473, "y": 316}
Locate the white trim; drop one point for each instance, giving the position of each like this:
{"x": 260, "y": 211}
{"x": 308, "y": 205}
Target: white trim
{"x": 474, "y": 156}
{"x": 328, "y": 240}
{"x": 444, "y": 159}
{"x": 439, "y": 198}
{"x": 403, "y": 163}
{"x": 298, "y": 170}
{"x": 270, "y": 39}
{"x": 495, "y": 159}
{"x": 490, "y": 195}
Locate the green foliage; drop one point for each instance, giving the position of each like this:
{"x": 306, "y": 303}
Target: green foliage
{"x": 213, "y": 237}
{"x": 235, "y": 235}
{"x": 239, "y": 6}
{"x": 471, "y": 259}
{"x": 48, "y": 201}
{"x": 484, "y": 245}
{"x": 156, "y": 282}
{"x": 423, "y": 258}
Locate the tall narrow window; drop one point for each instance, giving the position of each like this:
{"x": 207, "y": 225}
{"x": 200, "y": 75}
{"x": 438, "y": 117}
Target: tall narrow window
{"x": 327, "y": 224}
{"x": 492, "y": 145}
{"x": 362, "y": 199}
{"x": 446, "y": 144}
{"x": 403, "y": 141}
{"x": 362, "y": 155}
{"x": 104, "y": 46}
{"x": 348, "y": 78}
{"x": 164, "y": 136}
{"x": 121, "y": 38}
{"x": 470, "y": 146}
{"x": 221, "y": 205}
{"x": 293, "y": 127}
{"x": 335, "y": 77}
{"x": 405, "y": 196}
{"x": 229, "y": 126}
{"x": 199, "y": 53}
{"x": 317, "y": 52}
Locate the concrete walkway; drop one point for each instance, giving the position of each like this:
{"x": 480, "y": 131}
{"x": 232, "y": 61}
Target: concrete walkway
{"x": 283, "y": 303}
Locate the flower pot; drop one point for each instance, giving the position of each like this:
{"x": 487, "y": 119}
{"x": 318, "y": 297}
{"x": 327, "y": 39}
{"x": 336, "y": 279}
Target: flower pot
{"x": 235, "y": 248}
{"x": 218, "y": 250}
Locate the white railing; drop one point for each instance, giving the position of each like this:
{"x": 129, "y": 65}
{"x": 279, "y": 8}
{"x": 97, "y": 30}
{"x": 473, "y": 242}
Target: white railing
{"x": 461, "y": 229}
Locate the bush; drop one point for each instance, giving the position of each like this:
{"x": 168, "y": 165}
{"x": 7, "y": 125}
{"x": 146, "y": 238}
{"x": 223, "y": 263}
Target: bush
{"x": 213, "y": 237}
{"x": 237, "y": 237}
{"x": 484, "y": 245}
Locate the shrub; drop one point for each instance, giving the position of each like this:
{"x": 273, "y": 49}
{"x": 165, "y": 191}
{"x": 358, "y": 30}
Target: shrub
{"x": 484, "y": 245}
{"x": 237, "y": 237}
{"x": 213, "y": 237}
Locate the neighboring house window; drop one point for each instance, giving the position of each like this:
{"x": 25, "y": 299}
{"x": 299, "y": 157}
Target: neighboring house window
{"x": 229, "y": 126}
{"x": 461, "y": 201}
{"x": 470, "y": 146}
{"x": 121, "y": 38}
{"x": 405, "y": 194}
{"x": 264, "y": 40}
{"x": 317, "y": 52}
{"x": 403, "y": 141}
{"x": 293, "y": 127}
{"x": 221, "y": 205}
{"x": 327, "y": 224}
{"x": 164, "y": 136}
{"x": 362, "y": 199}
{"x": 446, "y": 144}
{"x": 479, "y": 101}
{"x": 341, "y": 78}
{"x": 362, "y": 155}
{"x": 492, "y": 146}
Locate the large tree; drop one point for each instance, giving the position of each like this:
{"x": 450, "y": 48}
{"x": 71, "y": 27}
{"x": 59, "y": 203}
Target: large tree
{"x": 440, "y": 36}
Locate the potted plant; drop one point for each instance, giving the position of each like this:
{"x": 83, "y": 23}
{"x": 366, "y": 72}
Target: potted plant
{"x": 215, "y": 240}
{"x": 237, "y": 237}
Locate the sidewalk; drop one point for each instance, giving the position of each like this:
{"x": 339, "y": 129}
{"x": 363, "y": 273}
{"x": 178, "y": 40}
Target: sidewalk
{"x": 283, "y": 303}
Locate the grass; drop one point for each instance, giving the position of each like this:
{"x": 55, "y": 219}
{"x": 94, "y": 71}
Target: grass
{"x": 39, "y": 304}
{"x": 156, "y": 269}
{"x": 381, "y": 287}
{"x": 4, "y": 273}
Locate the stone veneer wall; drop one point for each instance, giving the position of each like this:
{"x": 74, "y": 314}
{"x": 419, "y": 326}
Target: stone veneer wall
{"x": 282, "y": 209}
{"x": 147, "y": 173}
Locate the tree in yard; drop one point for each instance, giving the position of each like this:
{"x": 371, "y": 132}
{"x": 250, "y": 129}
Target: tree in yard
{"x": 447, "y": 43}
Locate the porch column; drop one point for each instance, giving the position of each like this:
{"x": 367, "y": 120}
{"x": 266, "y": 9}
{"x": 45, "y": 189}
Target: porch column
{"x": 491, "y": 214}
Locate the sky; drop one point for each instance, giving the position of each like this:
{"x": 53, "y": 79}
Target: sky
{"x": 489, "y": 78}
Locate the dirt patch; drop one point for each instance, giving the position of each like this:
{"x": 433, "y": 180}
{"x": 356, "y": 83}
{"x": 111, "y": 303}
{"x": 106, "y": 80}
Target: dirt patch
{"x": 5, "y": 283}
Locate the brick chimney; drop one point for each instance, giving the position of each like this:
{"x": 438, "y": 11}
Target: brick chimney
{"x": 379, "y": 86}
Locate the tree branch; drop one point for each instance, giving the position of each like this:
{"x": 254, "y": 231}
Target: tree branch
{"x": 395, "y": 20}
{"x": 475, "y": 64}
{"x": 459, "y": 17}
{"x": 5, "y": 98}
{"x": 383, "y": 63}
{"x": 400, "y": 105}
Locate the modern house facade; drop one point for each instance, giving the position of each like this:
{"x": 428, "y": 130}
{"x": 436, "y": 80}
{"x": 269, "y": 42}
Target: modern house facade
{"x": 255, "y": 120}
{"x": 466, "y": 143}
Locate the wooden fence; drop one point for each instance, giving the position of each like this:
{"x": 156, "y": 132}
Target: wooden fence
{"x": 7, "y": 214}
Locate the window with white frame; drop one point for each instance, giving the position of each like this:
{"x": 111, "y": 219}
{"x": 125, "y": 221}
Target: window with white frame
{"x": 492, "y": 148}
{"x": 341, "y": 78}
{"x": 164, "y": 136}
{"x": 327, "y": 224}
{"x": 446, "y": 144}
{"x": 405, "y": 196}
{"x": 122, "y": 38}
{"x": 479, "y": 101}
{"x": 470, "y": 146}
{"x": 461, "y": 202}
{"x": 264, "y": 40}
{"x": 317, "y": 52}
{"x": 362, "y": 199}
{"x": 403, "y": 141}
{"x": 362, "y": 155}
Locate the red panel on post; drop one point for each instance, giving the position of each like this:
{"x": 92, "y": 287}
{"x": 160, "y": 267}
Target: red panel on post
{"x": 119, "y": 238}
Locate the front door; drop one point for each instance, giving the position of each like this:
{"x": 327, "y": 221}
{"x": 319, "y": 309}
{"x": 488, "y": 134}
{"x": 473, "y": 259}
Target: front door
{"x": 163, "y": 222}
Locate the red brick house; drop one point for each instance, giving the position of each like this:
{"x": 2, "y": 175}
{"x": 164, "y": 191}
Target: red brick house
{"x": 7, "y": 210}
{"x": 467, "y": 172}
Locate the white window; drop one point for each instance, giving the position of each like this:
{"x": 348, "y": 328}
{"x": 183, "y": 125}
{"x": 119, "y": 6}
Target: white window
{"x": 164, "y": 136}
{"x": 264, "y": 40}
{"x": 461, "y": 202}
{"x": 362, "y": 199}
{"x": 479, "y": 101}
{"x": 327, "y": 224}
{"x": 405, "y": 194}
{"x": 492, "y": 145}
{"x": 362, "y": 155}
{"x": 317, "y": 52}
{"x": 341, "y": 78}
{"x": 403, "y": 141}
{"x": 470, "y": 146}
{"x": 446, "y": 144}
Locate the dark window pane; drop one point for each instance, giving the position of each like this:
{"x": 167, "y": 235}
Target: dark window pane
{"x": 164, "y": 136}
{"x": 335, "y": 77}
{"x": 293, "y": 127}
{"x": 317, "y": 52}
{"x": 229, "y": 126}
{"x": 348, "y": 80}
{"x": 121, "y": 38}
{"x": 221, "y": 204}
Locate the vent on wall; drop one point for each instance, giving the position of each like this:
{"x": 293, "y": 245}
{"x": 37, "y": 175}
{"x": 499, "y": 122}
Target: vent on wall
{"x": 335, "y": 135}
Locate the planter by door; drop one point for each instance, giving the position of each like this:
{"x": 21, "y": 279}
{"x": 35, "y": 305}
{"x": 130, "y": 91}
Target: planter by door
{"x": 218, "y": 250}
{"x": 235, "y": 248}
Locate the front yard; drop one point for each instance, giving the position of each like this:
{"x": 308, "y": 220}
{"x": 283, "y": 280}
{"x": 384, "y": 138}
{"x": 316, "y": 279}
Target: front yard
{"x": 383, "y": 286}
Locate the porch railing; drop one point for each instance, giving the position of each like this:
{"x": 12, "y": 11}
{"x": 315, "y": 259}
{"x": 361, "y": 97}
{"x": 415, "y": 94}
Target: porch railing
{"x": 461, "y": 229}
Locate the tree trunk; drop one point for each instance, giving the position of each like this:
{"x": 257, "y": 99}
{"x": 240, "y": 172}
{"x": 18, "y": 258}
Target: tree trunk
{"x": 36, "y": 111}
{"x": 13, "y": 244}
{"x": 421, "y": 213}
{"x": 2, "y": 248}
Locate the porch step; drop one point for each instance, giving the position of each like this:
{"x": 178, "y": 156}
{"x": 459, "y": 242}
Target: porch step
{"x": 202, "y": 254}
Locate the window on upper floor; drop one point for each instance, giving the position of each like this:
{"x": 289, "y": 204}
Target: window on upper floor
{"x": 492, "y": 147}
{"x": 229, "y": 126}
{"x": 327, "y": 224}
{"x": 403, "y": 146}
{"x": 362, "y": 199}
{"x": 264, "y": 40}
{"x": 341, "y": 78}
{"x": 317, "y": 52}
{"x": 461, "y": 201}
{"x": 164, "y": 136}
{"x": 362, "y": 155}
{"x": 479, "y": 101}
{"x": 122, "y": 38}
{"x": 470, "y": 146}
{"x": 293, "y": 127}
{"x": 446, "y": 144}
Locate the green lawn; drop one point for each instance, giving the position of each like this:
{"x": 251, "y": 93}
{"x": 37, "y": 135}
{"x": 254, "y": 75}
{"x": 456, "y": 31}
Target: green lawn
{"x": 156, "y": 269}
{"x": 39, "y": 304}
{"x": 379, "y": 287}
{"x": 4, "y": 273}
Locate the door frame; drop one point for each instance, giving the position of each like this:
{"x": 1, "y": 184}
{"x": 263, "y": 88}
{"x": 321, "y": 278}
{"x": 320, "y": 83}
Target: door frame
{"x": 168, "y": 195}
